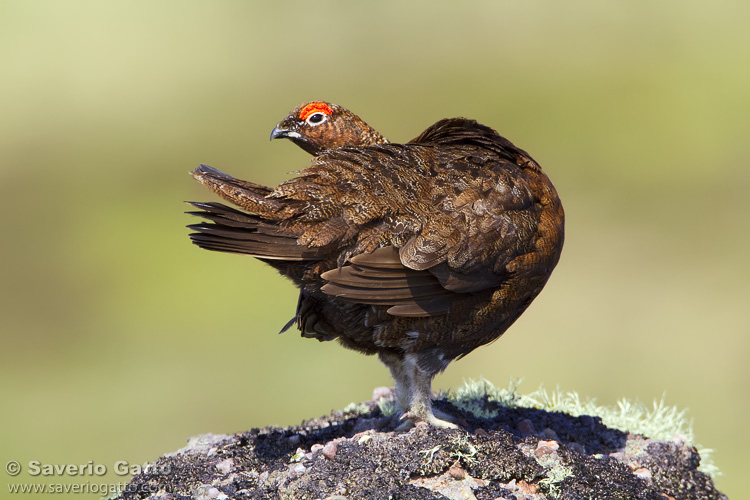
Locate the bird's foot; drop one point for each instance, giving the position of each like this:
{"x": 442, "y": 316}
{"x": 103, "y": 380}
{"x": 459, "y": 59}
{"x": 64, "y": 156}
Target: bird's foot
{"x": 411, "y": 418}
{"x": 446, "y": 418}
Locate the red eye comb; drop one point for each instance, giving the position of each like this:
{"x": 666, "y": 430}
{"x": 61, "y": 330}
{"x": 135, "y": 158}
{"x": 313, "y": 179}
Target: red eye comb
{"x": 314, "y": 107}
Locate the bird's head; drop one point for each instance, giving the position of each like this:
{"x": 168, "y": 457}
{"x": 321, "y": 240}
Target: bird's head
{"x": 317, "y": 126}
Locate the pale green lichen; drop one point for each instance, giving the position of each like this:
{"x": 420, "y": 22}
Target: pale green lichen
{"x": 387, "y": 406}
{"x": 460, "y": 448}
{"x": 661, "y": 421}
{"x": 556, "y": 472}
{"x": 474, "y": 395}
{"x": 359, "y": 408}
{"x": 555, "y": 476}
{"x": 298, "y": 456}
{"x": 430, "y": 454}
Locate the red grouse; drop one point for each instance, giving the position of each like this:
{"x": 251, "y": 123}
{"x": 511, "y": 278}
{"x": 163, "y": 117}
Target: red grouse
{"x": 418, "y": 252}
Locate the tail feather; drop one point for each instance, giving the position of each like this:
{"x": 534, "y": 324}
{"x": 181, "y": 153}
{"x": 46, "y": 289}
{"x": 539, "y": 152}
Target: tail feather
{"x": 233, "y": 231}
{"x": 247, "y": 195}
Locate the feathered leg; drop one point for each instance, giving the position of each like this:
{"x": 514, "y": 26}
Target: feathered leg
{"x": 413, "y": 391}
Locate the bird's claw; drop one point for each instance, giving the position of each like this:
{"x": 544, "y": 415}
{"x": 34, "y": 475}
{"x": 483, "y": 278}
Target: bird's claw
{"x": 410, "y": 419}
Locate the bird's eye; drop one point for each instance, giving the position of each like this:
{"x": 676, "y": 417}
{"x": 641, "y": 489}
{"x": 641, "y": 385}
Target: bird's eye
{"x": 316, "y": 118}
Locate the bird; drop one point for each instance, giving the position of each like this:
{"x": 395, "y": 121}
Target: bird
{"x": 417, "y": 252}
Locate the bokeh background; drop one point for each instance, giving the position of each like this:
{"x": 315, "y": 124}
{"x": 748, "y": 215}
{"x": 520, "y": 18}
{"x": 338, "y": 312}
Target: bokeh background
{"x": 120, "y": 339}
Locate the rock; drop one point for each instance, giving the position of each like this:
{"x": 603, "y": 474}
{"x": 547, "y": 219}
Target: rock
{"x": 333, "y": 457}
{"x": 545, "y": 448}
{"x": 526, "y": 427}
{"x": 329, "y": 450}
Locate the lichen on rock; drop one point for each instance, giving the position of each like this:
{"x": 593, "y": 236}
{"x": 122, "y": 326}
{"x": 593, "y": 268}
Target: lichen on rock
{"x": 519, "y": 453}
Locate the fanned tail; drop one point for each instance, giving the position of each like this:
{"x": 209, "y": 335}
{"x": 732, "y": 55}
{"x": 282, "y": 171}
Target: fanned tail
{"x": 237, "y": 232}
{"x": 257, "y": 233}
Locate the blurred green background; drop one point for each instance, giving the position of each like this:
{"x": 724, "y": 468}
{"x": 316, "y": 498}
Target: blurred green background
{"x": 120, "y": 339}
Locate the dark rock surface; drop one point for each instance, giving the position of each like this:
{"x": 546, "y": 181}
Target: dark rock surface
{"x": 521, "y": 454}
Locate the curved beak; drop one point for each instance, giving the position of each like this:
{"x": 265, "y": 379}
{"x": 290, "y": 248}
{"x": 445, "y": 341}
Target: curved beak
{"x": 277, "y": 133}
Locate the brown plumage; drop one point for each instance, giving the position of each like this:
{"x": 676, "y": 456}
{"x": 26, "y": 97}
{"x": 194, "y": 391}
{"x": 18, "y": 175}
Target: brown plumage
{"x": 419, "y": 252}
